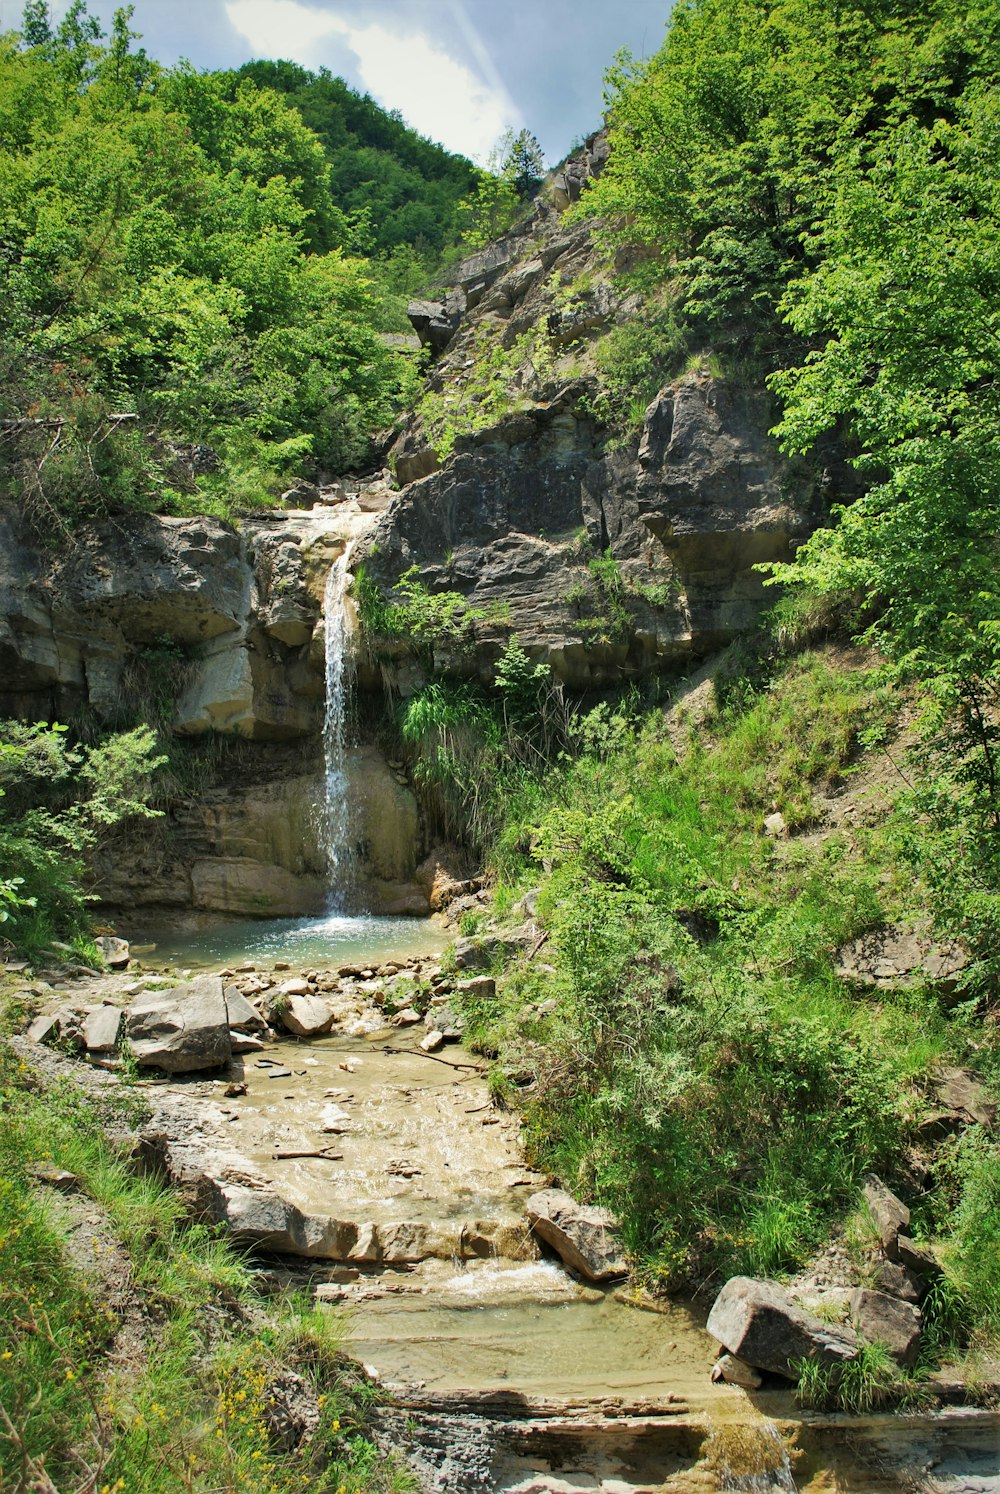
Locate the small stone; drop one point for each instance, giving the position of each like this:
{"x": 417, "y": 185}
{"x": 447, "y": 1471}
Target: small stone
{"x": 233, "y": 1091}
{"x": 296, "y": 986}
{"x": 432, "y": 1041}
{"x": 245, "y": 1042}
{"x": 775, "y": 825}
{"x": 480, "y": 987}
{"x": 57, "y": 1177}
{"x": 736, "y": 1371}
{"x": 408, "y": 1017}
{"x": 282, "y": 965}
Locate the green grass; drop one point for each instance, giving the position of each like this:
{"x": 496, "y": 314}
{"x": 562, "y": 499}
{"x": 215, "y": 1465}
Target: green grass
{"x": 187, "y": 1408}
{"x": 704, "y": 1073}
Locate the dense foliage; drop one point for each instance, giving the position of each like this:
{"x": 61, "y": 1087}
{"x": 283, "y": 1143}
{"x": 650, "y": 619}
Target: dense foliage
{"x": 186, "y": 316}
{"x": 57, "y": 799}
{"x": 399, "y": 191}
{"x": 188, "y": 1406}
{"x": 683, "y": 1050}
{"x": 819, "y": 183}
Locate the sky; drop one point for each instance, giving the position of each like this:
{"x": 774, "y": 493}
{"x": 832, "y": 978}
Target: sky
{"x": 460, "y": 71}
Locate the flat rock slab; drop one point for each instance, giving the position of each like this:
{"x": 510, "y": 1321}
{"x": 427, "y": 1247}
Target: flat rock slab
{"x": 102, "y": 1029}
{"x": 584, "y": 1238}
{"x": 183, "y": 1029}
{"x": 759, "y": 1323}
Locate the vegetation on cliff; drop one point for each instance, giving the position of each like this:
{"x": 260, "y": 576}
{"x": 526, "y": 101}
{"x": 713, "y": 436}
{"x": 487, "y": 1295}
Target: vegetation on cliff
{"x": 818, "y": 187}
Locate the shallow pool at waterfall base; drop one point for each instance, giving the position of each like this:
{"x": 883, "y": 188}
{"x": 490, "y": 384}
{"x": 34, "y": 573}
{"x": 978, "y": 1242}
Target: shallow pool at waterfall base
{"x": 327, "y": 941}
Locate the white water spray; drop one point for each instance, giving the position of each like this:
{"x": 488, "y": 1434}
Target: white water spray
{"x": 336, "y": 818}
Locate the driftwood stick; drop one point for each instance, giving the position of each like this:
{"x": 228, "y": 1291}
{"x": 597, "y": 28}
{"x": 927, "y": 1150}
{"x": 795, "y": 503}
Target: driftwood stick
{"x": 323, "y": 1156}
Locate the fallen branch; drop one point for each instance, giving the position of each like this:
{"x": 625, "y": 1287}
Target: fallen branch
{"x": 321, "y": 1156}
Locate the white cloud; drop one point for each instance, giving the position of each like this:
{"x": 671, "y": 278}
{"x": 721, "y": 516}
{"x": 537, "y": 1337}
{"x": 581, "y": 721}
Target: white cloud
{"x": 436, "y": 93}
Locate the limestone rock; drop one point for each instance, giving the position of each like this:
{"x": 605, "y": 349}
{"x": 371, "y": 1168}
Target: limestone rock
{"x": 479, "y": 953}
{"x": 59, "y": 1028}
{"x": 479, "y": 987}
{"x": 585, "y": 1238}
{"x": 896, "y": 959}
{"x": 889, "y": 1214}
{"x": 759, "y": 1322}
{"x": 296, "y": 985}
{"x": 914, "y": 1257}
{"x": 242, "y": 1017}
{"x": 102, "y": 1028}
{"x": 183, "y": 1029}
{"x": 886, "y": 1320}
{"x": 306, "y": 1016}
{"x": 432, "y": 1041}
{"x": 114, "y": 952}
{"x": 961, "y": 1091}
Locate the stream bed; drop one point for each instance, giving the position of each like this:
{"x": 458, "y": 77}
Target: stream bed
{"x": 500, "y": 1371}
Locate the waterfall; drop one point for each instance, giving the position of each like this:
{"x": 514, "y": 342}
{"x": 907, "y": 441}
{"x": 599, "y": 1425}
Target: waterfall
{"x": 336, "y": 815}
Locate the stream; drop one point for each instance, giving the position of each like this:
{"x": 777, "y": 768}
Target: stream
{"x": 499, "y": 1370}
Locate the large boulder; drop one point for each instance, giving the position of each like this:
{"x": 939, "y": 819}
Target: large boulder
{"x": 183, "y": 1029}
{"x": 882, "y": 1319}
{"x": 584, "y": 1238}
{"x": 759, "y": 1323}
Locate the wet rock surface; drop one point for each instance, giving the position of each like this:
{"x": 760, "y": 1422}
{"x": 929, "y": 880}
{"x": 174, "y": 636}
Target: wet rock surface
{"x": 584, "y": 1238}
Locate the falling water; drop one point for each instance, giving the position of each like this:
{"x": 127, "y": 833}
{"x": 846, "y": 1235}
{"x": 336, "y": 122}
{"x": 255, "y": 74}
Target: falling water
{"x": 750, "y": 1456}
{"x": 336, "y": 826}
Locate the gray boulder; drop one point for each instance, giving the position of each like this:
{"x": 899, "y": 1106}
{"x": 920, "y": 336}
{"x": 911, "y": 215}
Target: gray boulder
{"x": 102, "y": 1028}
{"x": 759, "y": 1323}
{"x": 885, "y": 1320}
{"x": 113, "y": 951}
{"x": 899, "y": 1281}
{"x": 182, "y": 1030}
{"x": 243, "y": 1018}
{"x": 306, "y": 1016}
{"x": 584, "y": 1238}
{"x": 916, "y": 1258}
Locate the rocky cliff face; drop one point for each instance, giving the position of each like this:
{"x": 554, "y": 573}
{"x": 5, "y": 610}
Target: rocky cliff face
{"x": 218, "y": 634}
{"x": 532, "y": 492}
